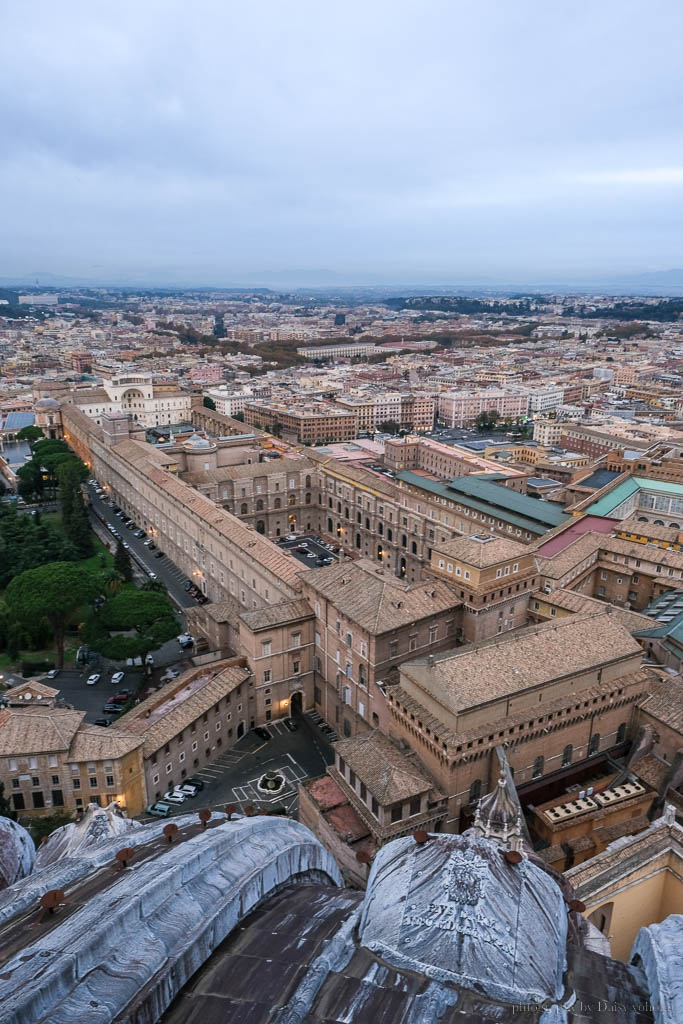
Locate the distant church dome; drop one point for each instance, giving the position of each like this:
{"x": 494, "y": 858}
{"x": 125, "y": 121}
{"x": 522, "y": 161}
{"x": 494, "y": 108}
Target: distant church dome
{"x": 195, "y": 441}
{"x": 17, "y": 852}
{"x": 47, "y": 403}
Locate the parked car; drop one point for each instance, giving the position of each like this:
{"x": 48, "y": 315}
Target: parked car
{"x": 311, "y": 555}
{"x": 117, "y": 678}
{"x": 174, "y": 796}
{"x": 159, "y": 810}
{"x": 302, "y": 548}
{"x": 152, "y": 547}
{"x": 148, "y": 542}
{"x": 112, "y": 709}
{"x": 158, "y": 554}
{"x": 126, "y": 545}
{"x": 201, "y": 598}
{"x": 152, "y": 575}
{"x": 291, "y": 724}
{"x": 187, "y": 585}
{"x": 140, "y": 533}
{"x": 195, "y": 781}
{"x": 94, "y": 678}
{"x": 188, "y": 789}
{"x": 261, "y": 732}
{"x": 184, "y": 637}
{"x": 103, "y": 721}
{"x": 119, "y": 698}
{"x": 53, "y": 673}
{"x": 149, "y": 659}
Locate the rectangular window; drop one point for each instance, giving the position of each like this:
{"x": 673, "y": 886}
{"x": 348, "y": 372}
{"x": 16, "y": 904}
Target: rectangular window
{"x": 267, "y": 676}
{"x": 266, "y": 648}
{"x": 397, "y": 812}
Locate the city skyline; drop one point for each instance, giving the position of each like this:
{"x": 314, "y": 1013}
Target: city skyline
{"x": 441, "y": 144}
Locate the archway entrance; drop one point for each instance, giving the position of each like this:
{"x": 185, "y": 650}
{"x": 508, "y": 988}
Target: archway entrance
{"x": 296, "y": 704}
{"x": 240, "y": 730}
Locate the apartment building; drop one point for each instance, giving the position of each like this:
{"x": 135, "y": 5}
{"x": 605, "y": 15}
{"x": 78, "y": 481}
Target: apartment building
{"x": 366, "y": 623}
{"x": 307, "y": 424}
{"x": 494, "y": 578}
{"x": 187, "y": 724}
{"x": 444, "y": 461}
{"x": 50, "y": 759}
{"x": 460, "y": 408}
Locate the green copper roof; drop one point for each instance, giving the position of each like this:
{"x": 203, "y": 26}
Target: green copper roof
{"x": 608, "y": 502}
{"x": 493, "y": 499}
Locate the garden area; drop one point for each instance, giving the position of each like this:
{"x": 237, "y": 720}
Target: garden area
{"x": 60, "y": 587}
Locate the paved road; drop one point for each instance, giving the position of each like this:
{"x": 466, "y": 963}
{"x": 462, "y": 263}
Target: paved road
{"x": 233, "y": 777}
{"x": 165, "y": 569}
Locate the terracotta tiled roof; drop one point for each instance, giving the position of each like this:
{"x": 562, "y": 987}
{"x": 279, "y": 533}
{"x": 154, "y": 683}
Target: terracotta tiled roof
{"x": 37, "y": 730}
{"x": 572, "y": 601}
{"x": 484, "y": 672}
{"x": 482, "y": 552}
{"x": 163, "y": 715}
{"x": 95, "y": 743}
{"x": 277, "y": 614}
{"x": 389, "y": 775}
{"x": 376, "y": 599}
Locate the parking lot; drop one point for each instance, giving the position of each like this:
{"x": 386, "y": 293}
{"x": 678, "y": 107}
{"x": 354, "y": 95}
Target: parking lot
{"x": 310, "y": 550}
{"x": 233, "y": 777}
{"x": 74, "y": 690}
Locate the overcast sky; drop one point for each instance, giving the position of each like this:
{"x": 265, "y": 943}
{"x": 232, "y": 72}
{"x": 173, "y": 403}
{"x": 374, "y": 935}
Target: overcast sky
{"x": 382, "y": 140}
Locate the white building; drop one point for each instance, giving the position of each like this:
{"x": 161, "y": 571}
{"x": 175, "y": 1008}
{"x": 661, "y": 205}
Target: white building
{"x": 135, "y": 394}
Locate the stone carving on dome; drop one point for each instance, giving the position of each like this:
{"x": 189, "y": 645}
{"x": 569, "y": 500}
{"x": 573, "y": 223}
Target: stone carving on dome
{"x": 455, "y": 910}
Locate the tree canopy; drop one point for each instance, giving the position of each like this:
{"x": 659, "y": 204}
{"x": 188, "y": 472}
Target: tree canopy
{"x": 54, "y": 592}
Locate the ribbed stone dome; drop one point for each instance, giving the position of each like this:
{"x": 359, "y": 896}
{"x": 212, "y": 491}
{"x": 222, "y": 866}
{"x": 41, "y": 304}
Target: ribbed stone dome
{"x": 17, "y": 852}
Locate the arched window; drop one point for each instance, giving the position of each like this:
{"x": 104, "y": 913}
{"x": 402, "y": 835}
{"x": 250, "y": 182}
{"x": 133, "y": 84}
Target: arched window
{"x": 243, "y": 508}
{"x": 567, "y": 755}
{"x": 329, "y": 502}
{"x": 346, "y": 511}
{"x": 339, "y": 507}
{"x": 380, "y": 528}
{"x": 308, "y": 481}
{"x": 357, "y": 540}
{"x": 621, "y": 732}
{"x": 379, "y": 552}
{"x": 390, "y": 534}
{"x": 367, "y": 523}
{"x": 414, "y": 547}
{"x": 329, "y": 525}
{"x": 538, "y": 767}
{"x": 291, "y": 500}
{"x": 475, "y": 791}
{"x": 594, "y": 744}
{"x": 402, "y": 567}
{"x": 659, "y": 522}
{"x": 278, "y": 503}
{"x": 308, "y": 498}
{"x": 259, "y": 505}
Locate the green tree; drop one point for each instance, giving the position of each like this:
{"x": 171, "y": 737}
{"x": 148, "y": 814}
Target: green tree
{"x": 154, "y": 585}
{"x": 389, "y": 427}
{"x": 114, "y": 582}
{"x": 46, "y": 825}
{"x": 209, "y": 403}
{"x": 56, "y": 591}
{"x": 6, "y": 809}
{"x": 30, "y": 434}
{"x": 239, "y": 416}
{"x": 122, "y": 563}
{"x": 75, "y": 520}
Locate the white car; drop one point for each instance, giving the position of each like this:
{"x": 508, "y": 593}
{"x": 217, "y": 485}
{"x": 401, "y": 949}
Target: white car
{"x": 188, "y": 791}
{"x": 174, "y": 796}
{"x": 94, "y": 678}
{"x": 152, "y": 575}
{"x": 117, "y": 678}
